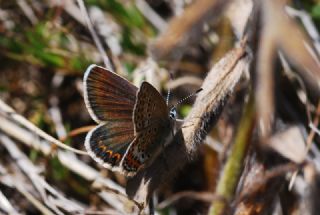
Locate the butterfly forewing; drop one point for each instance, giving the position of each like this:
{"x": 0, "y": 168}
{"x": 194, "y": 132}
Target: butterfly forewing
{"x": 108, "y": 97}
{"x": 150, "y": 107}
{"x": 152, "y": 126}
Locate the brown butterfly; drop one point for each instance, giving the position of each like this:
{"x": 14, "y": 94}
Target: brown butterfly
{"x": 134, "y": 124}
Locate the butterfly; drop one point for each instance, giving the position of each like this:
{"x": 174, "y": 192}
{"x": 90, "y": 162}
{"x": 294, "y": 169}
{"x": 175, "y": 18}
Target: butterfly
{"x": 133, "y": 123}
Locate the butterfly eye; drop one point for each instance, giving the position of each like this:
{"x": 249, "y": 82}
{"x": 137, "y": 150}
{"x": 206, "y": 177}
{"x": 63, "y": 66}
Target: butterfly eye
{"x": 173, "y": 113}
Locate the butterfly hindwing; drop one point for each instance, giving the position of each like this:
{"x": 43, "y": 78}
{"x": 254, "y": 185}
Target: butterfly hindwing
{"x": 145, "y": 147}
{"x": 108, "y": 96}
{"x": 108, "y": 142}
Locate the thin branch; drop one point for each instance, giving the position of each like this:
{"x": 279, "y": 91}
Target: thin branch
{"x": 27, "y": 10}
{"x": 151, "y": 15}
{"x": 77, "y": 131}
{"x": 11, "y": 114}
{"x": 94, "y": 35}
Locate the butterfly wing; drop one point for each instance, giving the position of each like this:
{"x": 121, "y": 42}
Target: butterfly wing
{"x": 150, "y": 108}
{"x": 108, "y": 96}
{"x": 152, "y": 125}
{"x": 110, "y": 100}
{"x": 108, "y": 142}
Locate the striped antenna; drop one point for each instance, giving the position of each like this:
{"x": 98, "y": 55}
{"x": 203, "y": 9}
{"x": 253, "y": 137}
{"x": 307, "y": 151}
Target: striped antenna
{"x": 168, "y": 96}
{"x": 169, "y": 90}
{"x": 192, "y": 94}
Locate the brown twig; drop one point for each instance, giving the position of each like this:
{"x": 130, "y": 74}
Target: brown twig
{"x": 77, "y": 131}
{"x": 95, "y": 37}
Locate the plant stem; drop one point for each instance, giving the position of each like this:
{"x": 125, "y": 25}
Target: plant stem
{"x": 230, "y": 175}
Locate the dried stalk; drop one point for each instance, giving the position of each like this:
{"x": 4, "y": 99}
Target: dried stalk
{"x": 47, "y": 192}
{"x": 95, "y": 37}
{"x": 232, "y": 170}
{"x": 27, "y": 10}
{"x": 70, "y": 161}
{"x": 151, "y": 15}
{"x": 10, "y": 113}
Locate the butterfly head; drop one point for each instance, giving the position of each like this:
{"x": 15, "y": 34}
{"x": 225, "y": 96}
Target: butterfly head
{"x": 173, "y": 113}
{"x": 173, "y": 110}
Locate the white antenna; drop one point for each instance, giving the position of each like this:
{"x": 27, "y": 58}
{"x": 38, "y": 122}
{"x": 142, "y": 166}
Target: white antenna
{"x": 169, "y": 90}
{"x": 192, "y": 94}
{"x": 168, "y": 95}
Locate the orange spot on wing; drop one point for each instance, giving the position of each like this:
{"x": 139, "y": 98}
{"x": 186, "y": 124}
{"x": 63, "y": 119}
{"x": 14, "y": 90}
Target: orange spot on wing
{"x": 103, "y": 148}
{"x": 133, "y": 162}
{"x": 110, "y": 152}
{"x": 117, "y": 156}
